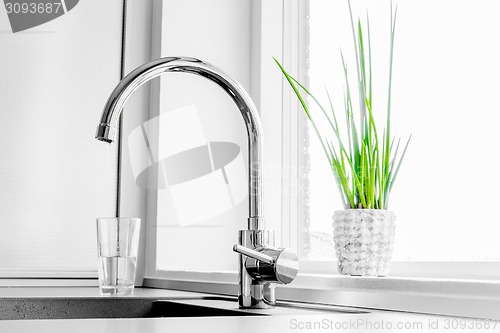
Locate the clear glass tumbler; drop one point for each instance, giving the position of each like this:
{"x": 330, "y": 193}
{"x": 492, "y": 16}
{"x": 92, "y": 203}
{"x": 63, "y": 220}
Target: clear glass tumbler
{"x": 117, "y": 245}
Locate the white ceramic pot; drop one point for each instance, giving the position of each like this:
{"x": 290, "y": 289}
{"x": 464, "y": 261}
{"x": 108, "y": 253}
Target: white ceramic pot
{"x": 364, "y": 241}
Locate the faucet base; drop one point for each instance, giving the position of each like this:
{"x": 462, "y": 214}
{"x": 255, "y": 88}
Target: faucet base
{"x": 251, "y": 293}
{"x": 263, "y": 297}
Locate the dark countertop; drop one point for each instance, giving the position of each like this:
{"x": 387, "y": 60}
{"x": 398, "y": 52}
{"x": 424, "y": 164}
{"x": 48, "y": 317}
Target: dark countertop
{"x": 281, "y": 319}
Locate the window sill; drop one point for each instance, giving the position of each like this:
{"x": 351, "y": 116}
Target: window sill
{"x": 47, "y": 278}
{"x": 451, "y": 297}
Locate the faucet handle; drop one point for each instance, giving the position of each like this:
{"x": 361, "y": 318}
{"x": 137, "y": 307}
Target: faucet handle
{"x": 268, "y": 264}
{"x": 253, "y": 254}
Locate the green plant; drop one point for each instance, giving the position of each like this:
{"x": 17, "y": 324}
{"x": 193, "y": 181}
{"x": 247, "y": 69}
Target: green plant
{"x": 365, "y": 171}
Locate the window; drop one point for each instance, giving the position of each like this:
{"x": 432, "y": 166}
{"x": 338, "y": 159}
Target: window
{"x": 444, "y": 92}
{"x": 182, "y": 256}
{"x": 429, "y": 72}
{"x": 190, "y": 228}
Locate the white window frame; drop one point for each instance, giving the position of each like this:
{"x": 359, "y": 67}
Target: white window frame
{"x": 275, "y": 29}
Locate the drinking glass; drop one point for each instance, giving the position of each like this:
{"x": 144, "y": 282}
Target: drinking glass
{"x": 117, "y": 245}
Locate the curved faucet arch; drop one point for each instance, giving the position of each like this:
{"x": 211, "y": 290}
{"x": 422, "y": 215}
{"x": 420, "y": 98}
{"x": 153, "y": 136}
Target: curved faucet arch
{"x": 108, "y": 127}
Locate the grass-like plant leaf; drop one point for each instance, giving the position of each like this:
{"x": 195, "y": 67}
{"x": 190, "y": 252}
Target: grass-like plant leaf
{"x": 366, "y": 170}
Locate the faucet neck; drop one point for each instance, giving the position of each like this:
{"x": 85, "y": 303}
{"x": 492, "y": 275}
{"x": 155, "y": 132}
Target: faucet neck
{"x": 114, "y": 106}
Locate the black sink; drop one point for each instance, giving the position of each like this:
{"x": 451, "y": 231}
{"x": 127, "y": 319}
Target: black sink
{"x": 79, "y": 308}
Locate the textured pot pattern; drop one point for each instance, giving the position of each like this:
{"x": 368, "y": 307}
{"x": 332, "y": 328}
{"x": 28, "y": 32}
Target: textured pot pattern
{"x": 364, "y": 240}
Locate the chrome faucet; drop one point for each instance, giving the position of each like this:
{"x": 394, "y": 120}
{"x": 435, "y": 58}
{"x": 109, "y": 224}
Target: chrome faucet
{"x": 261, "y": 265}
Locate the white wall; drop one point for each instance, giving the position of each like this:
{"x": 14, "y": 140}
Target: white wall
{"x": 55, "y": 178}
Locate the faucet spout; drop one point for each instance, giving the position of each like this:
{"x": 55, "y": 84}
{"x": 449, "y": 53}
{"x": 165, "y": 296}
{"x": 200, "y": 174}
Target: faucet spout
{"x": 108, "y": 126}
